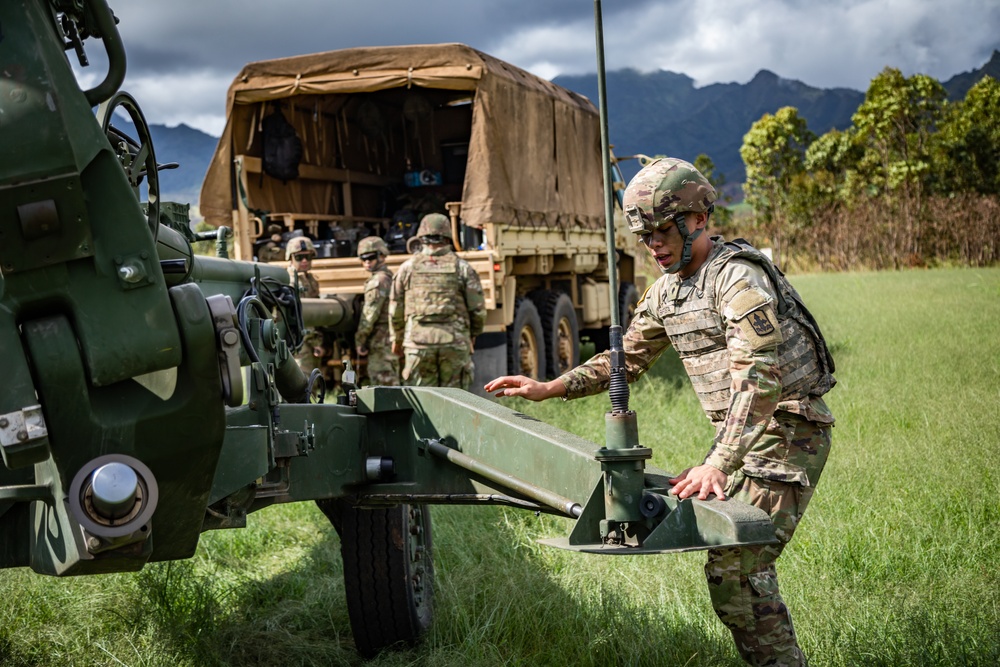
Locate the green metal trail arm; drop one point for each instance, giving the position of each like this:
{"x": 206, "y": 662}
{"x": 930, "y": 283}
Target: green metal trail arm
{"x": 404, "y": 420}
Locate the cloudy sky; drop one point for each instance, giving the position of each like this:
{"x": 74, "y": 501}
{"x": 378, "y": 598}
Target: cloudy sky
{"x": 183, "y": 54}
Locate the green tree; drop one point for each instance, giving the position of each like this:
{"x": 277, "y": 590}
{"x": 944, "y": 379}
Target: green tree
{"x": 774, "y": 154}
{"x": 894, "y": 125}
{"x": 832, "y": 162}
{"x": 969, "y": 141}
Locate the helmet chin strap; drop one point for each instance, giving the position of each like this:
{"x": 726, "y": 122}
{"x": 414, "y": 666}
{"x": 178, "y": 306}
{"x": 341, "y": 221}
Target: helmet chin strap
{"x": 689, "y": 239}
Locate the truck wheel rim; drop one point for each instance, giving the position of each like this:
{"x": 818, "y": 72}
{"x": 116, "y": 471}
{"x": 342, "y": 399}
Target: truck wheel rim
{"x": 565, "y": 345}
{"x": 529, "y": 353}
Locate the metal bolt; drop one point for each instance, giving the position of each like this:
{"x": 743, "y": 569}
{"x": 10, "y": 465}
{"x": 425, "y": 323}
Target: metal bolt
{"x": 22, "y": 435}
{"x": 230, "y": 337}
{"x": 4, "y": 423}
{"x": 93, "y": 543}
{"x": 129, "y": 274}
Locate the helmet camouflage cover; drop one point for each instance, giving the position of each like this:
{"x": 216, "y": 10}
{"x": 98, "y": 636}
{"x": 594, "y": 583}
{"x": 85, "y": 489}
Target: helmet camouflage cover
{"x": 299, "y": 244}
{"x": 435, "y": 224}
{"x": 661, "y": 190}
{"x": 372, "y": 244}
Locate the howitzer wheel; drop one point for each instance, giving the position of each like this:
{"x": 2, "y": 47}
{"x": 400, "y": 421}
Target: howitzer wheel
{"x": 388, "y": 572}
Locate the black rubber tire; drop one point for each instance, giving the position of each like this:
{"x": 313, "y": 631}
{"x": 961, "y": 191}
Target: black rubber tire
{"x": 628, "y": 299}
{"x": 388, "y": 572}
{"x": 524, "y": 332}
{"x": 562, "y": 331}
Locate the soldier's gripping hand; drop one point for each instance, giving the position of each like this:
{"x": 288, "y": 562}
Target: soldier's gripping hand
{"x": 525, "y": 387}
{"x": 703, "y": 480}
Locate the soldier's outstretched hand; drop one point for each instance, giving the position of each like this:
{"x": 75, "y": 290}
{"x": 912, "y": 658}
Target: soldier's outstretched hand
{"x": 703, "y": 480}
{"x": 525, "y": 387}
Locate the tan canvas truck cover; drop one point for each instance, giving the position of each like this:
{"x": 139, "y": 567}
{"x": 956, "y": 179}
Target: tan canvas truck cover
{"x": 531, "y": 154}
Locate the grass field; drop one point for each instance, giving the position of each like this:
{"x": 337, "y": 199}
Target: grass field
{"x": 897, "y": 562}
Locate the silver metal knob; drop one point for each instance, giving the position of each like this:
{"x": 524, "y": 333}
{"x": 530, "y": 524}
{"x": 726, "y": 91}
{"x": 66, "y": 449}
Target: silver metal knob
{"x": 115, "y": 487}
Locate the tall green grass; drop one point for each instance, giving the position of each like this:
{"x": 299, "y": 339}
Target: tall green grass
{"x": 896, "y": 562}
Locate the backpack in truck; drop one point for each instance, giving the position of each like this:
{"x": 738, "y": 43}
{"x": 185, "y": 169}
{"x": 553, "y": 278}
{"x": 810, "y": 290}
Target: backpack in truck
{"x": 282, "y": 147}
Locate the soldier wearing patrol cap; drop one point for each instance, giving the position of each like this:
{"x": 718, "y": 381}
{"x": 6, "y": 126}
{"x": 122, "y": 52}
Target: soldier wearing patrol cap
{"x": 371, "y": 339}
{"x": 436, "y": 310}
{"x": 760, "y": 367}
{"x": 300, "y": 253}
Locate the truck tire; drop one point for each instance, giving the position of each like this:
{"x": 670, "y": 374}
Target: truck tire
{"x": 628, "y": 299}
{"x": 562, "y": 332}
{"x": 525, "y": 340}
{"x": 388, "y": 572}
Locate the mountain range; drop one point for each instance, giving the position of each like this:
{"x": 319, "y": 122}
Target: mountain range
{"x": 659, "y": 113}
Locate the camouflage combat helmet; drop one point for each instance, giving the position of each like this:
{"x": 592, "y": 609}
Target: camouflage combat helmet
{"x": 299, "y": 244}
{"x": 661, "y": 193}
{"x": 435, "y": 224}
{"x": 372, "y": 244}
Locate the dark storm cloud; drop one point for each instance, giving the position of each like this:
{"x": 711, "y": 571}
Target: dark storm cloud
{"x": 184, "y": 53}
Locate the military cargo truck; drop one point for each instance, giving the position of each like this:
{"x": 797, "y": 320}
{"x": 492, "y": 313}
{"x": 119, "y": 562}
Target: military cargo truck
{"x": 358, "y": 142}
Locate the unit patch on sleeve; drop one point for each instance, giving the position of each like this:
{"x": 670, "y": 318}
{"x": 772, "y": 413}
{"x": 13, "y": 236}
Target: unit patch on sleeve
{"x": 751, "y": 310}
{"x": 760, "y": 323}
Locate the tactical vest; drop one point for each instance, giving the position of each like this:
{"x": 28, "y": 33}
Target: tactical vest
{"x": 697, "y": 330}
{"x": 436, "y": 295}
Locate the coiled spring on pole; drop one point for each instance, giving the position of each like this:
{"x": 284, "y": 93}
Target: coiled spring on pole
{"x": 618, "y": 389}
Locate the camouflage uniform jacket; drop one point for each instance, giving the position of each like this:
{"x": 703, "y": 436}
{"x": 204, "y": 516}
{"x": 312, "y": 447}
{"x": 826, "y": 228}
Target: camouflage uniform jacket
{"x": 308, "y": 285}
{"x": 373, "y": 328}
{"x": 436, "y": 301}
{"x": 749, "y": 349}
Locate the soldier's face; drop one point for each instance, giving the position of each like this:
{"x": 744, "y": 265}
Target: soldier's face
{"x": 666, "y": 244}
{"x": 303, "y": 261}
{"x": 371, "y": 261}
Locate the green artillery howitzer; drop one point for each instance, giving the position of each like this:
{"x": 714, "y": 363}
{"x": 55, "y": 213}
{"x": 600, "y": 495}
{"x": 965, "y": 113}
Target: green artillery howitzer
{"x": 150, "y": 393}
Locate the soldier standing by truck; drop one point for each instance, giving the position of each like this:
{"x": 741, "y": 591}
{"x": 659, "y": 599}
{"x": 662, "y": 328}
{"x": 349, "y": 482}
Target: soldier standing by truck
{"x": 371, "y": 340}
{"x": 436, "y": 310}
{"x": 300, "y": 253}
{"x": 760, "y": 367}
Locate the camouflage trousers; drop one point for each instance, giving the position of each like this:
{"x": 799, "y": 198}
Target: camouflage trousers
{"x": 743, "y": 582}
{"x": 383, "y": 366}
{"x": 438, "y": 367}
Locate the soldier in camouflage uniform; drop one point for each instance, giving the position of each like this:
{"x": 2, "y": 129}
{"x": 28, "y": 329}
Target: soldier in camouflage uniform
{"x": 272, "y": 250}
{"x": 300, "y": 253}
{"x": 372, "y": 337}
{"x": 760, "y": 367}
{"x": 436, "y": 310}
